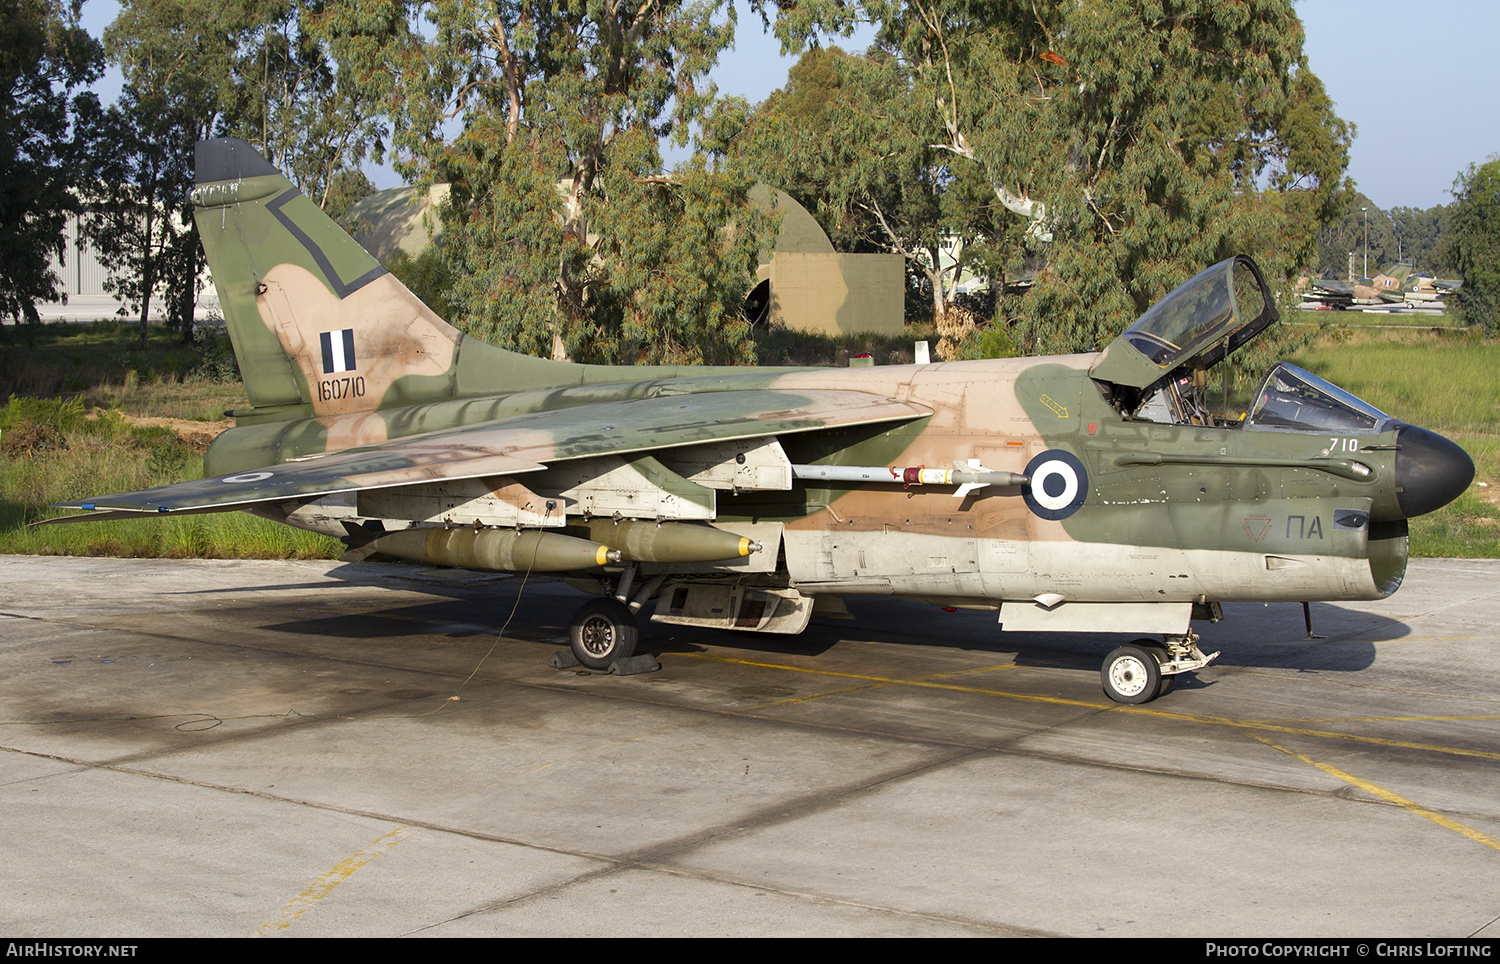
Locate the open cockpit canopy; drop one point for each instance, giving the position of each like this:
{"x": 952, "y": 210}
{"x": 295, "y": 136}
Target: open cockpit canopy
{"x": 1154, "y": 371}
{"x": 1190, "y": 330}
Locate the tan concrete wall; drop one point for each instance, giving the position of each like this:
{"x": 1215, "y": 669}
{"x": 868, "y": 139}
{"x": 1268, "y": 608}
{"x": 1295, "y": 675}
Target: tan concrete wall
{"x": 388, "y": 221}
{"x": 837, "y": 293}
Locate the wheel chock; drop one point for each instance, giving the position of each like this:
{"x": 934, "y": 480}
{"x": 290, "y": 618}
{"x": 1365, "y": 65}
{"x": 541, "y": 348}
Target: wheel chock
{"x": 631, "y": 665}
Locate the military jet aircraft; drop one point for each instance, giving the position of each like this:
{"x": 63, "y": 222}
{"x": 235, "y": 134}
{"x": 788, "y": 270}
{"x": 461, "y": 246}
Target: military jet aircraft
{"x": 1080, "y": 493}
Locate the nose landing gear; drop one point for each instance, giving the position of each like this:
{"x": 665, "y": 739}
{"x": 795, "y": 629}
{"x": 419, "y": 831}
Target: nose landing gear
{"x": 1142, "y": 670}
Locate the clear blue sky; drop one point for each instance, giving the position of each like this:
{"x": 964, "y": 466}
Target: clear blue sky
{"x": 1420, "y": 81}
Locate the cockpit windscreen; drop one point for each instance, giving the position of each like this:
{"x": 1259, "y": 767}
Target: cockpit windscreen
{"x": 1292, "y": 399}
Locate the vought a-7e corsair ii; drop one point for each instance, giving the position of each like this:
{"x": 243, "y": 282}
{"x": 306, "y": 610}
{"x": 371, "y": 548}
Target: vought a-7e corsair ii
{"x": 1078, "y": 493}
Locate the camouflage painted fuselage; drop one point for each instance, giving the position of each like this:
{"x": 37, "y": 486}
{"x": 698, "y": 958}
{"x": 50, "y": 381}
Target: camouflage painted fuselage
{"x": 1216, "y": 525}
{"x": 1091, "y": 501}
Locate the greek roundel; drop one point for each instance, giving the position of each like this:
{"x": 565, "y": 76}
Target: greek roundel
{"x": 1059, "y": 484}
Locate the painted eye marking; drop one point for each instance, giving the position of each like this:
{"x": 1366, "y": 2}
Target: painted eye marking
{"x": 1059, "y": 484}
{"x": 246, "y": 477}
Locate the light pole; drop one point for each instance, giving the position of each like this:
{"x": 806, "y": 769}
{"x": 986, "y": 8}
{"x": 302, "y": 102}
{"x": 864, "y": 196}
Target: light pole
{"x": 1367, "y": 241}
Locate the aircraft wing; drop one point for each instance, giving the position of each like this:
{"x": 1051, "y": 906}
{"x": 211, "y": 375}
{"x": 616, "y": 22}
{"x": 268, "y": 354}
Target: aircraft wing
{"x": 519, "y": 444}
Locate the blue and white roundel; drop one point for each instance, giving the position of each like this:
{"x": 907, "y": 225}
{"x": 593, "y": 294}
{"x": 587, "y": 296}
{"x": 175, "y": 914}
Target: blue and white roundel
{"x": 1059, "y": 484}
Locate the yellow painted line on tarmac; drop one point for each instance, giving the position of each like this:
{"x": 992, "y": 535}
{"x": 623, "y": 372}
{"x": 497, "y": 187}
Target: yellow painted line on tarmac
{"x": 1384, "y": 794}
{"x": 1388, "y": 719}
{"x": 925, "y": 681}
{"x": 325, "y": 884}
{"x": 870, "y": 682}
{"x": 1265, "y": 725}
{"x": 1304, "y": 731}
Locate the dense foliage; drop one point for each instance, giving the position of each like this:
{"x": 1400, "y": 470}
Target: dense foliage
{"x": 45, "y": 136}
{"x": 1472, "y": 244}
{"x": 1381, "y": 238}
{"x": 1139, "y": 139}
{"x": 1108, "y": 150}
{"x": 196, "y": 69}
{"x": 851, "y": 139}
{"x": 562, "y": 232}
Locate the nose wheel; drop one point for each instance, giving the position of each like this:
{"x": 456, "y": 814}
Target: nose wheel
{"x": 1132, "y": 673}
{"x": 1140, "y": 671}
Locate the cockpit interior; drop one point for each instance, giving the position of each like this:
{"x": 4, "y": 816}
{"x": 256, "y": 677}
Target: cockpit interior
{"x": 1157, "y": 370}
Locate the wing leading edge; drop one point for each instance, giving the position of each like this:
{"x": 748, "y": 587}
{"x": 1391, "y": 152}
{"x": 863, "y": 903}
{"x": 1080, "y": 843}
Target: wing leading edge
{"x": 516, "y": 445}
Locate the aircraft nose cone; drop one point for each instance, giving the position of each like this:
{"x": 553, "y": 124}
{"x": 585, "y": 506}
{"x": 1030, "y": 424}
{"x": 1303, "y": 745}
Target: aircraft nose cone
{"x": 1430, "y": 471}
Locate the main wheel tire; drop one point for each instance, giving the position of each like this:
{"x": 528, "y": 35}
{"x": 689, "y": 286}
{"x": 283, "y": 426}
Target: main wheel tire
{"x": 1131, "y": 674}
{"x": 603, "y": 631}
{"x": 1163, "y": 656}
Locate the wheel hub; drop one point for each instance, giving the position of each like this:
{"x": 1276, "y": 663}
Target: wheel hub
{"x": 1128, "y": 676}
{"x": 598, "y": 636}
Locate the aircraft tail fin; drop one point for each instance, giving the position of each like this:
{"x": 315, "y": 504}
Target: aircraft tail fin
{"x": 318, "y": 326}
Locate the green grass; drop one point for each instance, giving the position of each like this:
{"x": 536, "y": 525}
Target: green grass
{"x": 54, "y": 449}
{"x": 1440, "y": 378}
{"x": 1445, "y": 380}
{"x": 102, "y": 364}
{"x": 222, "y": 535}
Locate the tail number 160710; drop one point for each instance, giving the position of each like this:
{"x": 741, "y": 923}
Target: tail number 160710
{"x": 336, "y": 388}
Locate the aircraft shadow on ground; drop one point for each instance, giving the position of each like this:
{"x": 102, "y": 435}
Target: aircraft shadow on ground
{"x": 1251, "y": 636}
{"x": 1267, "y": 636}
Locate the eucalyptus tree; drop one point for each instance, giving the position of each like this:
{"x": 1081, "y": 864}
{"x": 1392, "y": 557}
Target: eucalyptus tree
{"x": 1418, "y": 232}
{"x": 563, "y": 231}
{"x": 196, "y": 69}
{"x": 1360, "y": 229}
{"x": 1471, "y": 244}
{"x": 176, "y": 58}
{"x": 289, "y": 99}
{"x": 1139, "y": 140}
{"x": 848, "y": 139}
{"x": 46, "y": 116}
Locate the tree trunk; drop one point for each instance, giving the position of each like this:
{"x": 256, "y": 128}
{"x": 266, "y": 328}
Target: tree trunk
{"x": 145, "y": 313}
{"x": 188, "y": 304}
{"x": 148, "y": 280}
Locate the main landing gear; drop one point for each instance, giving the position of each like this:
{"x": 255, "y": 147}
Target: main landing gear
{"x": 603, "y": 631}
{"x": 1142, "y": 670}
